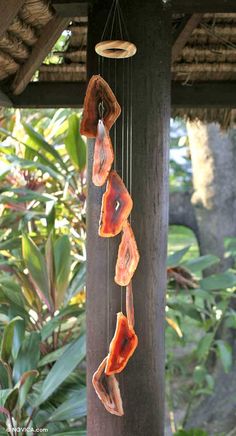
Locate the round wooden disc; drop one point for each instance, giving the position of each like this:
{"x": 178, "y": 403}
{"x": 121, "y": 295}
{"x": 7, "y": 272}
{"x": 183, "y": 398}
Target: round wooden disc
{"x": 116, "y": 49}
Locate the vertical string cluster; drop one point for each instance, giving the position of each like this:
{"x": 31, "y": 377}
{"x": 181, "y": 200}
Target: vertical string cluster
{"x": 101, "y": 110}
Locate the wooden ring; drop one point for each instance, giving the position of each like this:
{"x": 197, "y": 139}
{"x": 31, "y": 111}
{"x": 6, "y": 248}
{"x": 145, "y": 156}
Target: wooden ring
{"x": 116, "y": 49}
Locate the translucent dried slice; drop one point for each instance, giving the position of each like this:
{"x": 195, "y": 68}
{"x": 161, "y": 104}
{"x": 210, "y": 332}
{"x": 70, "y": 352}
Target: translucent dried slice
{"x": 128, "y": 257}
{"x": 103, "y": 155}
{"x": 122, "y": 346}
{"x": 130, "y": 305}
{"x": 100, "y": 102}
{"x": 116, "y": 206}
{"x": 107, "y": 390}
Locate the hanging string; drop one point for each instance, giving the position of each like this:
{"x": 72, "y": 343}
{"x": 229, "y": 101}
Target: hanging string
{"x": 131, "y": 132}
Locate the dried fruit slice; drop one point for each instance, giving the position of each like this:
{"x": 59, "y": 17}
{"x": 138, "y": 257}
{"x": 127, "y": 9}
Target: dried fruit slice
{"x": 130, "y": 305}
{"x": 122, "y": 346}
{"x": 128, "y": 257}
{"x": 100, "y": 102}
{"x": 103, "y": 155}
{"x": 116, "y": 206}
{"x": 107, "y": 390}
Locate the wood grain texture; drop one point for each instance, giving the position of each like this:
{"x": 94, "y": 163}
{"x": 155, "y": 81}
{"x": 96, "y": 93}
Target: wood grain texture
{"x": 50, "y": 94}
{"x": 5, "y": 100}
{"x": 116, "y": 49}
{"x": 142, "y": 383}
{"x": 49, "y": 35}
{"x": 204, "y": 6}
{"x": 71, "y": 8}
{"x": 184, "y": 35}
{"x": 9, "y": 9}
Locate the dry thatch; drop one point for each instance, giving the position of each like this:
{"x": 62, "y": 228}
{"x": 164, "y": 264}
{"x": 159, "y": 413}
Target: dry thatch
{"x": 226, "y": 117}
{"x": 68, "y": 73}
{"x": 210, "y": 54}
{"x": 14, "y": 46}
{"x": 37, "y": 13}
{"x": 8, "y": 65}
{"x": 23, "y": 31}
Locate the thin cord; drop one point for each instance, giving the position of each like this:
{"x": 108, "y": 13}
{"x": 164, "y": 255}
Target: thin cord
{"x": 127, "y": 125}
{"x": 108, "y": 19}
{"x": 131, "y": 132}
{"x": 108, "y": 293}
{"x": 122, "y": 148}
{"x": 115, "y": 132}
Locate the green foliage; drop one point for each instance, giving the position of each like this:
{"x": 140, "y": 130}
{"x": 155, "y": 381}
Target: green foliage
{"x": 42, "y": 271}
{"x": 199, "y": 308}
{"x": 192, "y": 432}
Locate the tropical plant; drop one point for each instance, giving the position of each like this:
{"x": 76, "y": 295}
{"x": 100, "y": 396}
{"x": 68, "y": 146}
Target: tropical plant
{"x": 42, "y": 273}
{"x": 198, "y": 308}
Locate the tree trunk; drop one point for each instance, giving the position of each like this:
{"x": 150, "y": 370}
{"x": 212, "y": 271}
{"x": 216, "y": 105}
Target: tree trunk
{"x": 213, "y": 155}
{"x": 142, "y": 383}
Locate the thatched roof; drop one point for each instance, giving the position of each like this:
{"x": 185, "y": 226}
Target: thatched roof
{"x": 209, "y": 54}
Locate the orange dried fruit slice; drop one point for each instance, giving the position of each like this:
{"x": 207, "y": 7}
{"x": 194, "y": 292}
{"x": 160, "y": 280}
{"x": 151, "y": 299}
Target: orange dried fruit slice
{"x": 122, "y": 346}
{"x": 128, "y": 257}
{"x": 99, "y": 100}
{"x": 116, "y": 206}
{"x": 107, "y": 390}
{"x": 103, "y": 155}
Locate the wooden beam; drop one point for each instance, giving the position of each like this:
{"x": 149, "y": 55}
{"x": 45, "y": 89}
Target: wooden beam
{"x": 142, "y": 382}
{"x": 71, "y": 94}
{"x": 182, "y": 38}
{"x": 9, "y": 9}
{"x": 50, "y": 94}
{"x": 49, "y": 36}
{"x": 204, "y": 94}
{"x": 5, "y": 100}
{"x": 71, "y": 8}
{"x": 203, "y": 6}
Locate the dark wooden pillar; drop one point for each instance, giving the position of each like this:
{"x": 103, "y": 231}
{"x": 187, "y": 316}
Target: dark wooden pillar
{"x": 142, "y": 383}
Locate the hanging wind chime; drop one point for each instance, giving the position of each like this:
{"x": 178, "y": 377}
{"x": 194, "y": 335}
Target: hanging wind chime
{"x": 101, "y": 110}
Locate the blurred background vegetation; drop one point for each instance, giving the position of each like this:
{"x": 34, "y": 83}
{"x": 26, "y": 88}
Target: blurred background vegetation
{"x": 42, "y": 283}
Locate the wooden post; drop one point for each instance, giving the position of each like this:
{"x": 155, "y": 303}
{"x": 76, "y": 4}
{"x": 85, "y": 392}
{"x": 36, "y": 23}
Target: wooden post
{"x": 142, "y": 383}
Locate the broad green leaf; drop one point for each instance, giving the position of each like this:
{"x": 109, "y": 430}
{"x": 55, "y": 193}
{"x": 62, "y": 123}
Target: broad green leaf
{"x": 3, "y": 396}
{"x": 192, "y": 432}
{"x": 186, "y": 309}
{"x": 199, "y": 374}
{"x": 7, "y": 339}
{"x": 53, "y": 356}
{"x": 230, "y": 321}
{"x": 77, "y": 283}
{"x": 28, "y": 356}
{"x": 25, "y": 383}
{"x": 69, "y": 360}
{"x": 219, "y": 281}
{"x": 62, "y": 261}
{"x": 225, "y": 354}
{"x": 201, "y": 263}
{"x": 49, "y": 255}
{"x": 75, "y": 144}
{"x": 8, "y": 398}
{"x": 53, "y": 323}
{"x": 12, "y": 399}
{"x": 4, "y": 375}
{"x": 210, "y": 381}
{"x": 175, "y": 258}
{"x": 9, "y": 244}
{"x": 32, "y": 165}
{"x": 36, "y": 265}
{"x": 40, "y": 143}
{"x": 74, "y": 408}
{"x": 204, "y": 345}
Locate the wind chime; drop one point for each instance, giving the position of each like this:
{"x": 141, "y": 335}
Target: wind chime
{"x": 101, "y": 110}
